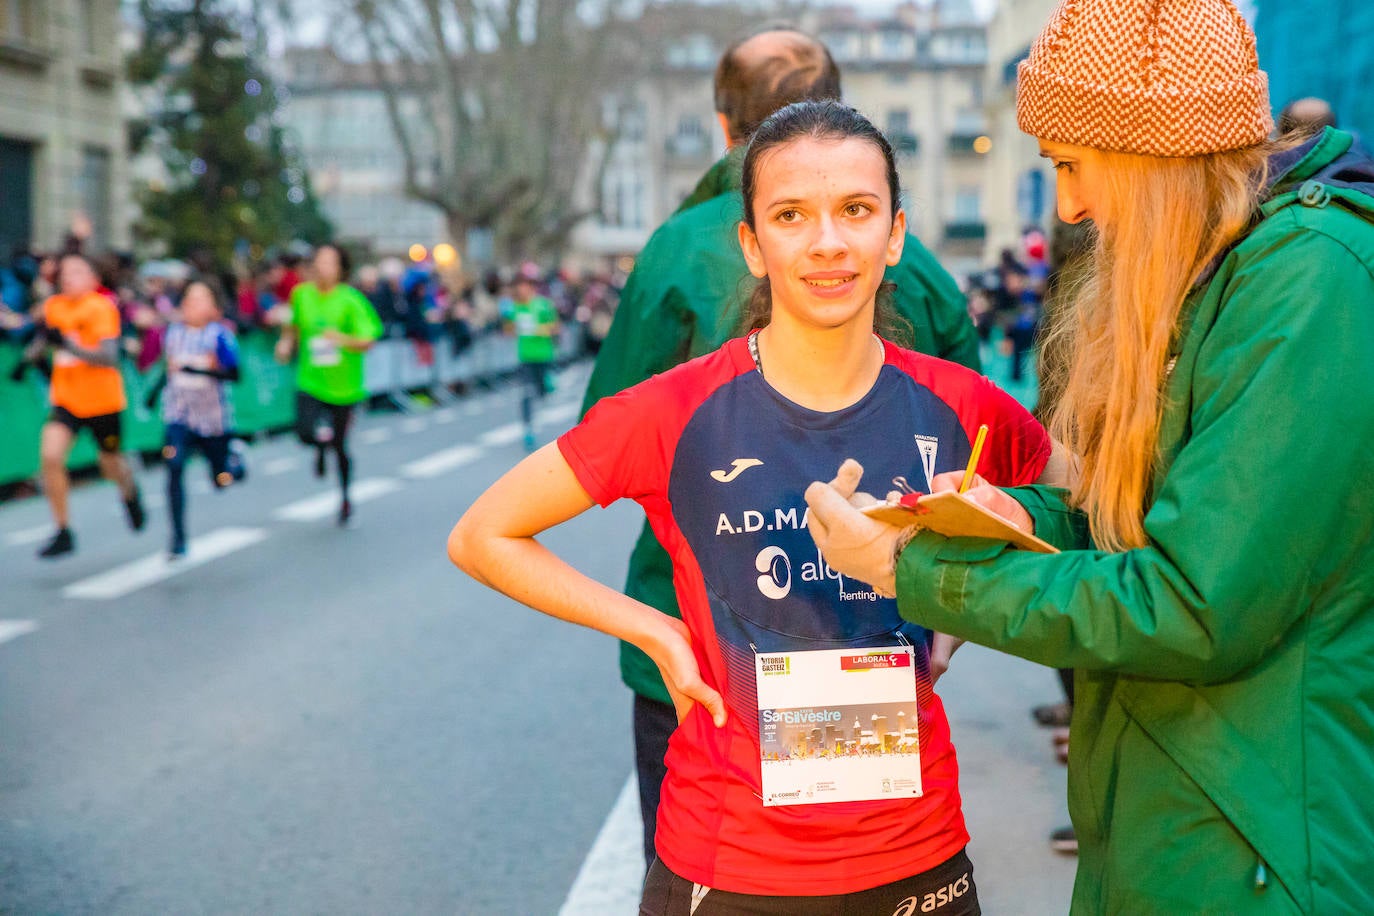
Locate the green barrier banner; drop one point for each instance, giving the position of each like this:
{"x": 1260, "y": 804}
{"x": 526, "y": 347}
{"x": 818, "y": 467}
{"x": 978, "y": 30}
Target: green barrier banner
{"x": 264, "y": 398}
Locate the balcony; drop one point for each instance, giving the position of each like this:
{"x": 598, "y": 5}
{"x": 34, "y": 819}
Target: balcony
{"x": 965, "y": 231}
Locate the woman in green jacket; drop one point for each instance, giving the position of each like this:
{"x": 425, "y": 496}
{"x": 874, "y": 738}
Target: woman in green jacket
{"x": 1216, "y": 586}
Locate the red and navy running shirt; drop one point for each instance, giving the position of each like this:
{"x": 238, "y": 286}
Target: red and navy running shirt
{"x": 719, "y": 460}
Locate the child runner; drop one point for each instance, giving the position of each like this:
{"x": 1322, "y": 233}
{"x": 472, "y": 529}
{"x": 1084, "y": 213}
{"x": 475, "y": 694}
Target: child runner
{"x": 717, "y": 451}
{"x": 202, "y": 356}
{"x": 334, "y": 325}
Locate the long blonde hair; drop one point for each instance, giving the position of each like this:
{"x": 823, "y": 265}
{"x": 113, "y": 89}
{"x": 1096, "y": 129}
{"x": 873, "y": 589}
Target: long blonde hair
{"x": 1161, "y": 221}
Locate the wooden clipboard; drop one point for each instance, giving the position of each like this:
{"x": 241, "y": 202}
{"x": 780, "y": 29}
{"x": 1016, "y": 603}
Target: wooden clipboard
{"x": 954, "y": 515}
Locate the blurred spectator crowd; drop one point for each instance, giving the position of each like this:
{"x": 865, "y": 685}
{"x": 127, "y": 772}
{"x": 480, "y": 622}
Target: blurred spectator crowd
{"x": 416, "y": 301}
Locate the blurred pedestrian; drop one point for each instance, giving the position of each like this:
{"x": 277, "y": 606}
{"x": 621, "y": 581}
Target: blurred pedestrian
{"x": 686, "y": 297}
{"x": 331, "y": 326}
{"x": 80, "y": 330}
{"x": 535, "y": 323}
{"x": 1215, "y": 593}
{"x": 1306, "y": 117}
{"x": 201, "y": 359}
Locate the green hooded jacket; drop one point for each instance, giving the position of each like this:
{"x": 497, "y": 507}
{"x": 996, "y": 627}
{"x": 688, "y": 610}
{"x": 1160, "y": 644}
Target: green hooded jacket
{"x": 685, "y": 298}
{"x": 1222, "y": 749}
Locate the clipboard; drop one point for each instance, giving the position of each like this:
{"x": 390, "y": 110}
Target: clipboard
{"x": 954, "y": 515}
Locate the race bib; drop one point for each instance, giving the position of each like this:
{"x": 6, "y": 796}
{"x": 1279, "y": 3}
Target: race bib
{"x": 324, "y": 352}
{"x": 838, "y": 725}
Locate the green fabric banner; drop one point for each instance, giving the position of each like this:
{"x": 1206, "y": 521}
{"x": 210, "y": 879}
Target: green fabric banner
{"x": 264, "y": 398}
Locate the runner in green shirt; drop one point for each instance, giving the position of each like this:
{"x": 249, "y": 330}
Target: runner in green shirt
{"x": 332, "y": 325}
{"x": 535, "y": 321}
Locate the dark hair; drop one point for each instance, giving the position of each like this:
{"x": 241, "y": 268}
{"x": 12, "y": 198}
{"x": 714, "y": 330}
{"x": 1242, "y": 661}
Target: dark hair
{"x": 822, "y": 120}
{"x": 1308, "y": 115}
{"x": 345, "y": 262}
{"x": 750, "y": 87}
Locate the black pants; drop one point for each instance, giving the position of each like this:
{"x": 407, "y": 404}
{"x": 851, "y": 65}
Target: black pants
{"x": 181, "y": 443}
{"x": 946, "y": 890}
{"x": 654, "y": 724}
{"x": 325, "y": 426}
{"x": 535, "y": 377}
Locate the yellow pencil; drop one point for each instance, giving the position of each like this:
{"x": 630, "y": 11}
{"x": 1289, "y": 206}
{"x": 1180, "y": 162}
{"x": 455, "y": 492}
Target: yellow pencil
{"x": 973, "y": 459}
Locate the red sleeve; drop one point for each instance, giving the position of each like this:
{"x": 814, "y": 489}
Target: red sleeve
{"x": 624, "y": 446}
{"x": 1017, "y": 447}
{"x": 620, "y": 448}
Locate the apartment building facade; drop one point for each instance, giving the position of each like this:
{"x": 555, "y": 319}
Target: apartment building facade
{"x": 63, "y": 143}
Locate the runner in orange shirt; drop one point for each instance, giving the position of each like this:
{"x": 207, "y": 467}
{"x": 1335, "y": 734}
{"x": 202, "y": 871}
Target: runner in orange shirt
{"x": 82, "y": 333}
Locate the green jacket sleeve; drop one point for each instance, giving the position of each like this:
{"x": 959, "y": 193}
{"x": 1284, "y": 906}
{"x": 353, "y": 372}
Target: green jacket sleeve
{"x": 1055, "y": 521}
{"x": 651, "y": 332}
{"x": 1261, "y": 510}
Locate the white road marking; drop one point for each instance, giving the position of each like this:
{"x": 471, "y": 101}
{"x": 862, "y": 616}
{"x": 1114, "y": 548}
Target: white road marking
{"x": 413, "y": 424}
{"x": 279, "y": 466}
{"x": 612, "y": 876}
{"x": 473, "y": 409}
{"x": 374, "y": 436}
{"x": 447, "y": 415}
{"x": 442, "y": 461}
{"x": 130, "y": 577}
{"x": 502, "y": 435}
{"x": 323, "y": 505}
{"x": 28, "y": 535}
{"x": 13, "y": 629}
{"x": 561, "y": 413}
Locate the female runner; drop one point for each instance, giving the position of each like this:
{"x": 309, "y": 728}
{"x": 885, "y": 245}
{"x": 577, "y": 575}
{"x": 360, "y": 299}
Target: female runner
{"x": 718, "y": 451}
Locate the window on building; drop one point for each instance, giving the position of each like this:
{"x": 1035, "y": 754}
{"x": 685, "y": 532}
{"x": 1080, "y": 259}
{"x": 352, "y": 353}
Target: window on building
{"x": 17, "y": 20}
{"x": 94, "y": 184}
{"x": 898, "y": 121}
{"x": 892, "y": 45}
{"x": 968, "y": 204}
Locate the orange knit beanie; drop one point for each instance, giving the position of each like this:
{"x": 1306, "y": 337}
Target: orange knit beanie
{"x": 1154, "y": 77}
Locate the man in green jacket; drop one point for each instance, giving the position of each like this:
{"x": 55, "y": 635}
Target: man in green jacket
{"x": 1222, "y": 758}
{"x": 685, "y": 298}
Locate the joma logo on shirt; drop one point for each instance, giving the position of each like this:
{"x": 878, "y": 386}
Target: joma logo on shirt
{"x": 737, "y": 467}
{"x": 752, "y": 520}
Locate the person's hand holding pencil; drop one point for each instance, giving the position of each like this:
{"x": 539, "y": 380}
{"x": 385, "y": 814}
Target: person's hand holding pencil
{"x": 972, "y": 486}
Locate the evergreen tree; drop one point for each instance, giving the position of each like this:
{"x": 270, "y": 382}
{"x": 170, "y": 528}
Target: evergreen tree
{"x": 234, "y": 183}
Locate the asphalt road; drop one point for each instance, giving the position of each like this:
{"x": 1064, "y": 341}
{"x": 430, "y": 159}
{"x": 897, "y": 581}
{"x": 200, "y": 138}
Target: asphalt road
{"x": 304, "y": 719}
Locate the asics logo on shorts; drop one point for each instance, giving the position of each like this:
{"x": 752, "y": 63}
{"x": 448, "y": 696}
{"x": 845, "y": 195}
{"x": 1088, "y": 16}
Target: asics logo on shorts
{"x": 930, "y": 902}
{"x": 737, "y": 467}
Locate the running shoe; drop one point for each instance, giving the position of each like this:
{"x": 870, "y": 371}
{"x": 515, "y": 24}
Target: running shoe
{"x": 1064, "y": 840}
{"x": 63, "y": 542}
{"x": 529, "y": 442}
{"x": 237, "y": 463}
{"x": 133, "y": 507}
{"x": 177, "y": 550}
{"x": 345, "y": 513}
